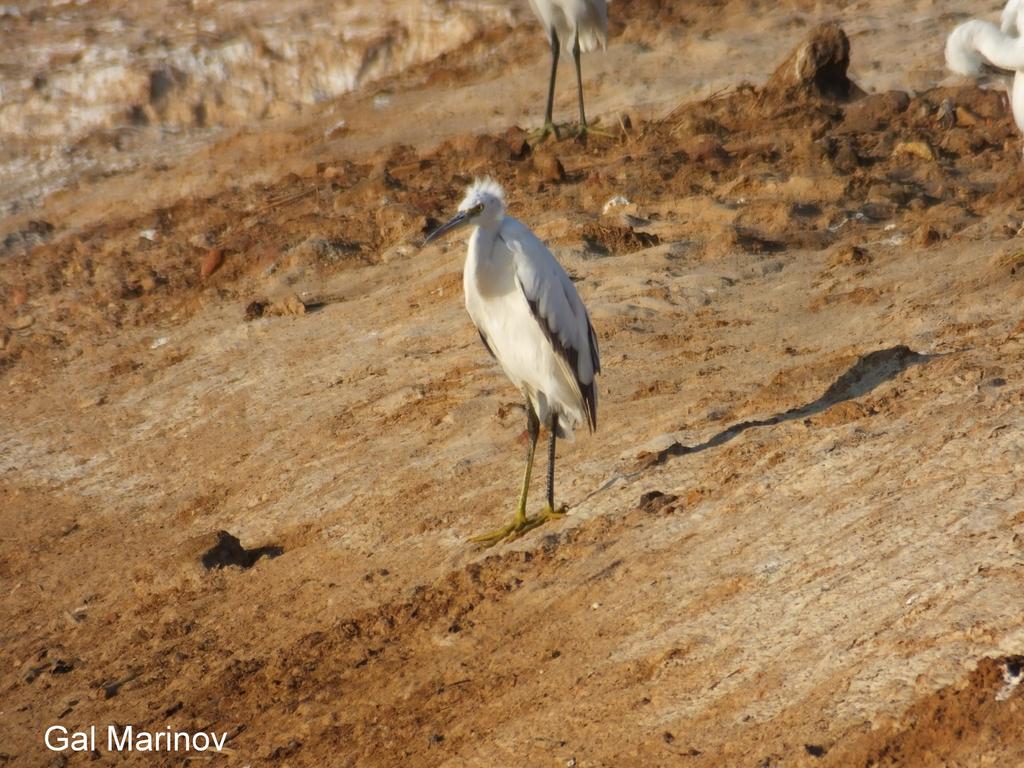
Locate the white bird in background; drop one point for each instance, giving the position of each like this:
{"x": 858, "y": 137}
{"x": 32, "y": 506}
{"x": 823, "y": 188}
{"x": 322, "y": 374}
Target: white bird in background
{"x": 581, "y": 24}
{"x": 532, "y": 320}
{"x": 976, "y": 43}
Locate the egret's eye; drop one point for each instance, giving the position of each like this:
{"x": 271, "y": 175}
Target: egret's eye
{"x": 477, "y": 209}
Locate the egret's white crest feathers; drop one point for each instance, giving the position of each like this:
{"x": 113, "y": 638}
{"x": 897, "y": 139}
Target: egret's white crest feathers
{"x": 481, "y": 188}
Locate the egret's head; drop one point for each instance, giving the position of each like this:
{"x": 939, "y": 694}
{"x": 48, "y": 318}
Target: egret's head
{"x": 483, "y": 206}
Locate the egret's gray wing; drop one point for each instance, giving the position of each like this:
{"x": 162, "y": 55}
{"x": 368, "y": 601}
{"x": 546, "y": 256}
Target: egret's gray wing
{"x": 558, "y": 309}
{"x": 487, "y": 344}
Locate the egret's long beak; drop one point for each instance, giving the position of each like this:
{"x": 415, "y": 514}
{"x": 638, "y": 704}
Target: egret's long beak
{"x": 458, "y": 220}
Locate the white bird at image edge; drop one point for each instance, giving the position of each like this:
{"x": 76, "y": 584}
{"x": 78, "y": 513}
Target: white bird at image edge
{"x": 977, "y": 43}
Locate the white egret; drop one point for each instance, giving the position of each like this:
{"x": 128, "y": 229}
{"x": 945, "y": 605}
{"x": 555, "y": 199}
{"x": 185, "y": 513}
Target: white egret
{"x": 582, "y": 24}
{"x": 533, "y": 322}
{"x": 977, "y": 43}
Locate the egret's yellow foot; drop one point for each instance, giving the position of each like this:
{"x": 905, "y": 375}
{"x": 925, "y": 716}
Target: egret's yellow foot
{"x": 549, "y": 129}
{"x": 548, "y": 513}
{"x": 582, "y": 131}
{"x": 520, "y": 524}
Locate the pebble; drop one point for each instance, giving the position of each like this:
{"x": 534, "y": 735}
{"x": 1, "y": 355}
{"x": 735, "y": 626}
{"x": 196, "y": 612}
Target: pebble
{"x": 614, "y": 202}
{"x": 211, "y": 262}
{"x": 21, "y": 323}
{"x": 549, "y": 168}
{"x": 336, "y": 130}
{"x": 926, "y": 235}
{"x": 919, "y": 148}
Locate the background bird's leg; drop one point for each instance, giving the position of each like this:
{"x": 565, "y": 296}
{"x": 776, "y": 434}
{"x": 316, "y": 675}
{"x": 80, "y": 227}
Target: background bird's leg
{"x": 579, "y": 78}
{"x": 583, "y": 129}
{"x": 520, "y": 522}
{"x": 549, "y": 125}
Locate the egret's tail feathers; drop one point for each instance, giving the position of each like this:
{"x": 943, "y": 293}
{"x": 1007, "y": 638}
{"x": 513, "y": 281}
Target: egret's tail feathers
{"x": 593, "y": 38}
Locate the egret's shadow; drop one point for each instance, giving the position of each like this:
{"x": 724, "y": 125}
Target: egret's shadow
{"x": 868, "y": 372}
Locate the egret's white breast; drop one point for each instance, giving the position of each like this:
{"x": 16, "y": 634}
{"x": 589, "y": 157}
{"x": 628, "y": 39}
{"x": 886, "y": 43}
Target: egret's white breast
{"x": 499, "y": 309}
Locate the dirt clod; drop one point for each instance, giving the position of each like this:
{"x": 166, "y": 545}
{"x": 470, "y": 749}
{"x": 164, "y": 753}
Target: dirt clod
{"x": 816, "y": 68}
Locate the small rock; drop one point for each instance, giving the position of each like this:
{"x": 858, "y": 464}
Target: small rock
{"x": 200, "y": 240}
{"x": 211, "y": 262}
{"x": 946, "y": 116}
{"x": 336, "y": 130}
{"x": 21, "y": 323}
{"x": 656, "y": 501}
{"x": 549, "y": 168}
{"x": 926, "y": 235}
{"x": 844, "y": 156}
{"x": 18, "y": 297}
{"x": 874, "y": 111}
{"x": 288, "y": 306}
{"x": 615, "y": 202}
{"x": 846, "y": 255}
{"x": 255, "y": 309}
{"x": 519, "y": 147}
{"x": 918, "y": 148}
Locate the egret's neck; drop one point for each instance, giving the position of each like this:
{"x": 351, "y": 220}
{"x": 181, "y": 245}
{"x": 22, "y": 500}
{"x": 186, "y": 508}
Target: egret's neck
{"x": 481, "y": 242}
{"x": 486, "y": 273}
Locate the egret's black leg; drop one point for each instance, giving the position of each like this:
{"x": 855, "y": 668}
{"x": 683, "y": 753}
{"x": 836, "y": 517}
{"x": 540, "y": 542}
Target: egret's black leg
{"x": 520, "y": 522}
{"x": 550, "y": 512}
{"x": 551, "y": 462}
{"x": 579, "y": 79}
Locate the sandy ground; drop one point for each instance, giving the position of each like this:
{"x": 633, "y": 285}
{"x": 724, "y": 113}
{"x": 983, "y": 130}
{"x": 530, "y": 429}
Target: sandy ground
{"x": 796, "y": 539}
